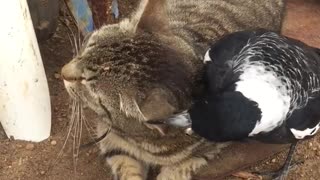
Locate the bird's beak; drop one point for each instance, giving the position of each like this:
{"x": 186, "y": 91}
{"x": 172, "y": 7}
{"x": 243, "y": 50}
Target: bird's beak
{"x": 181, "y": 120}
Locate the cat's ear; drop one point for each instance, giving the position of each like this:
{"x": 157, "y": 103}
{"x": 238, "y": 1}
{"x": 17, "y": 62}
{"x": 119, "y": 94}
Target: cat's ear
{"x": 150, "y": 16}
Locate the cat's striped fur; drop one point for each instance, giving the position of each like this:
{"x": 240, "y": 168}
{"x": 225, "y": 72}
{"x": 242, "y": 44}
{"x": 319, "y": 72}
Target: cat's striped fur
{"x": 144, "y": 68}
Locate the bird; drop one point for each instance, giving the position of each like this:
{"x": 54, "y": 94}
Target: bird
{"x": 259, "y": 85}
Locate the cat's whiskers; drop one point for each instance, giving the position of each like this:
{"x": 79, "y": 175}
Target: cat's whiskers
{"x": 76, "y": 135}
{"x": 87, "y": 125}
{"x": 71, "y": 124}
{"x": 72, "y": 120}
{"x": 72, "y": 46}
{"x": 74, "y": 38}
{"x": 79, "y": 39}
{"x": 79, "y": 131}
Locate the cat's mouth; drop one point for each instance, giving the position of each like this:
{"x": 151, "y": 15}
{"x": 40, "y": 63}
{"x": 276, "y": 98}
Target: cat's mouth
{"x": 77, "y": 81}
{"x": 71, "y": 90}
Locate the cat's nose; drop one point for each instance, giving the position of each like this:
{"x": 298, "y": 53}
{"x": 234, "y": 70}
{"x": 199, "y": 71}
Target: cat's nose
{"x": 72, "y": 72}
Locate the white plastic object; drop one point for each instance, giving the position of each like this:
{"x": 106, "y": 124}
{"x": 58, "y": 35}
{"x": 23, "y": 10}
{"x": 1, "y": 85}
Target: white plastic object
{"x": 25, "y": 110}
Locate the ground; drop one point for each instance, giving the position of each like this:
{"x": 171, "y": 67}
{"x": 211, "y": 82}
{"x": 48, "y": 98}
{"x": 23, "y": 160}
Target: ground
{"x": 24, "y": 160}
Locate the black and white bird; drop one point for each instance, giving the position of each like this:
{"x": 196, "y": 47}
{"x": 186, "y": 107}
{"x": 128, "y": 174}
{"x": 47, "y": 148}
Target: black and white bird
{"x": 259, "y": 85}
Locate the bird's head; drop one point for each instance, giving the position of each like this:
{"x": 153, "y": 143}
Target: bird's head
{"x": 180, "y": 120}
{"x": 188, "y": 119}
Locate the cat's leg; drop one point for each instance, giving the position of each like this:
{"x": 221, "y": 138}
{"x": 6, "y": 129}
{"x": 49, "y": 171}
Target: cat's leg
{"x": 183, "y": 170}
{"x": 125, "y": 167}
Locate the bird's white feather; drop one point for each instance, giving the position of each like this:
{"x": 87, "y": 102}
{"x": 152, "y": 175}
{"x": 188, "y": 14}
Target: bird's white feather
{"x": 269, "y": 92}
{"x": 301, "y": 134}
{"x": 207, "y": 57}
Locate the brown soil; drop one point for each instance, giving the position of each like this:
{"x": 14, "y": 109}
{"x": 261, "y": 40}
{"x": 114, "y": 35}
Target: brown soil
{"x": 23, "y": 160}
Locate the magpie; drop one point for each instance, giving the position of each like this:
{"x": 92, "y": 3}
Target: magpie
{"x": 259, "y": 85}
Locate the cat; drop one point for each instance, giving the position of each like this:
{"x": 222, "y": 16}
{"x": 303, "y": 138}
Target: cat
{"x": 145, "y": 68}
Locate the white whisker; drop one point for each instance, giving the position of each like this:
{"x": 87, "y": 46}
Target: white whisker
{"x": 76, "y": 134}
{"x": 79, "y": 37}
{"x": 72, "y": 120}
{"x": 72, "y": 45}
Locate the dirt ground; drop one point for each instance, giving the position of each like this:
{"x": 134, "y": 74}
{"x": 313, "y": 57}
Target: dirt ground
{"x": 24, "y": 160}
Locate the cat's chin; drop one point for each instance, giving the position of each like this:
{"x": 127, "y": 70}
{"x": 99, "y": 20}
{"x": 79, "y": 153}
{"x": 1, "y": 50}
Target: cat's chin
{"x": 69, "y": 87}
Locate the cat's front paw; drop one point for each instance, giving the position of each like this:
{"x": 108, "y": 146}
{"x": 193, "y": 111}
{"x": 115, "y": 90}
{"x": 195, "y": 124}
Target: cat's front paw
{"x": 127, "y": 168}
{"x": 183, "y": 170}
{"x": 173, "y": 174}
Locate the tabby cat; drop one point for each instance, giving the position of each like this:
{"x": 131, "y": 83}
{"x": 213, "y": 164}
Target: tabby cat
{"x": 144, "y": 68}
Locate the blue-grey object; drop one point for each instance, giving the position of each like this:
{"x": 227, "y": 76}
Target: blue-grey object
{"x": 115, "y": 9}
{"x": 82, "y": 14}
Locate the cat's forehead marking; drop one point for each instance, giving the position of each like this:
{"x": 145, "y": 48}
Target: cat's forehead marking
{"x": 207, "y": 57}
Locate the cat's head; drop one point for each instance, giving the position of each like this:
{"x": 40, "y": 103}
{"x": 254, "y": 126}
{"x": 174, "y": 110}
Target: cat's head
{"x": 128, "y": 67}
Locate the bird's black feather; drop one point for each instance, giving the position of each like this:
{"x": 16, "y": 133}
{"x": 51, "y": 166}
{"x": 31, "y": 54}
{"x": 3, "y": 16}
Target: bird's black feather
{"x": 226, "y": 117}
